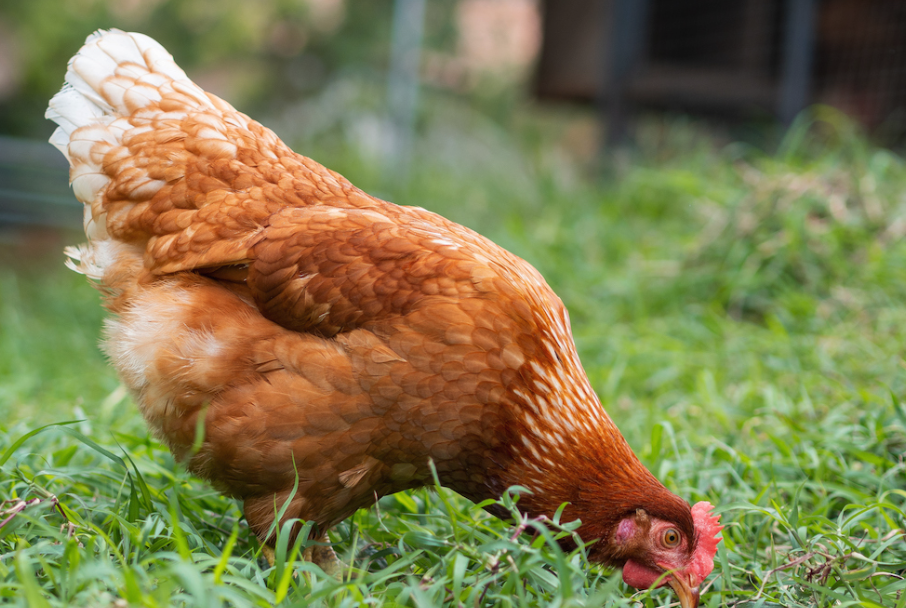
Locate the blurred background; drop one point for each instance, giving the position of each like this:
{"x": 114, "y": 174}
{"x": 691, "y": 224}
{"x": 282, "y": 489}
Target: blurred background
{"x": 393, "y": 91}
{"x": 715, "y": 188}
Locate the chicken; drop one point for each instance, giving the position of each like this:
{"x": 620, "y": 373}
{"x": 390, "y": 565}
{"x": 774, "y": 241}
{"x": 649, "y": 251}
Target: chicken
{"x": 332, "y": 339}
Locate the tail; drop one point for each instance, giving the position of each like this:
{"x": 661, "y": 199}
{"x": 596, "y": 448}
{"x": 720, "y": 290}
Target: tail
{"x": 132, "y": 126}
{"x": 114, "y": 75}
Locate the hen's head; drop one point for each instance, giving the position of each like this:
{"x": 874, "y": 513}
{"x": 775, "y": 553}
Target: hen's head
{"x": 653, "y": 547}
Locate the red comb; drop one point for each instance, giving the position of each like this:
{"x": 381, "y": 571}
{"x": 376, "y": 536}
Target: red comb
{"x": 707, "y": 527}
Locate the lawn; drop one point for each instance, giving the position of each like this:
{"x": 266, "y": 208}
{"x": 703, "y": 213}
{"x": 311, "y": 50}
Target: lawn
{"x": 741, "y": 314}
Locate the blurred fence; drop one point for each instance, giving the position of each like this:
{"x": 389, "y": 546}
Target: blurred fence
{"x": 34, "y": 186}
{"x": 749, "y": 57}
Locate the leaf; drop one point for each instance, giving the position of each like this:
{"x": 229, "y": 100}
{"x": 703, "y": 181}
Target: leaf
{"x": 18, "y": 443}
{"x": 225, "y": 555}
{"x": 32, "y": 588}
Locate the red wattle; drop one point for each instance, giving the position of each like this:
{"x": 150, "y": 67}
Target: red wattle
{"x": 639, "y": 576}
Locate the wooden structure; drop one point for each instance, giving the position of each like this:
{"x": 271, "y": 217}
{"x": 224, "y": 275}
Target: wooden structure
{"x": 769, "y": 57}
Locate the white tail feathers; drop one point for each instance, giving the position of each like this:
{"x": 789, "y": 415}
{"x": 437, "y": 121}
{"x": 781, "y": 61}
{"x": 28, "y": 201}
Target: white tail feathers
{"x": 110, "y": 81}
{"x": 126, "y": 114}
{"x": 112, "y": 76}
{"x": 105, "y": 261}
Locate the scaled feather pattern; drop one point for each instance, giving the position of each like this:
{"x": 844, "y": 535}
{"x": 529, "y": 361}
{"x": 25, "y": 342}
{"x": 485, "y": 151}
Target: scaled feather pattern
{"x": 326, "y": 334}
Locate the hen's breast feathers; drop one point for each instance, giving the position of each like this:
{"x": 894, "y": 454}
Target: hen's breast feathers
{"x": 321, "y": 331}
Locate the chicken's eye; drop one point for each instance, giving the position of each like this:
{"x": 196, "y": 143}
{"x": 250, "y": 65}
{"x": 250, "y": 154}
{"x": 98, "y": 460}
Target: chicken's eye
{"x": 671, "y": 537}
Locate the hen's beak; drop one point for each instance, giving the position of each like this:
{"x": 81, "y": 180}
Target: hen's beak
{"x": 688, "y": 595}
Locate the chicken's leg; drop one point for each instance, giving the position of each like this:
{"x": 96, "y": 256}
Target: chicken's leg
{"x": 320, "y": 553}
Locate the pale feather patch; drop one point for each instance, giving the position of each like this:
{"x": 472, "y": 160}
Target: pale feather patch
{"x": 86, "y": 151}
{"x": 354, "y": 476}
{"x": 119, "y": 46}
{"x": 157, "y": 58}
{"x": 140, "y": 96}
{"x": 153, "y": 332}
{"x": 94, "y": 259}
{"x": 88, "y": 183}
{"x": 95, "y": 226}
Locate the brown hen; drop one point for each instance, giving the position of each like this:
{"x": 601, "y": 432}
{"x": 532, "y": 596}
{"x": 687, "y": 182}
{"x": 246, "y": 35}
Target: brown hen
{"x": 331, "y": 336}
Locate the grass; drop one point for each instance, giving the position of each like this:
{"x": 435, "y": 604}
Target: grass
{"x": 741, "y": 315}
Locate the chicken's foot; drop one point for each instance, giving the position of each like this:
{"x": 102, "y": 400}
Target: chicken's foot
{"x": 320, "y": 553}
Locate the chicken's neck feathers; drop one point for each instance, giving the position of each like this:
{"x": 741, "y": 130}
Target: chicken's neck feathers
{"x": 568, "y": 450}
